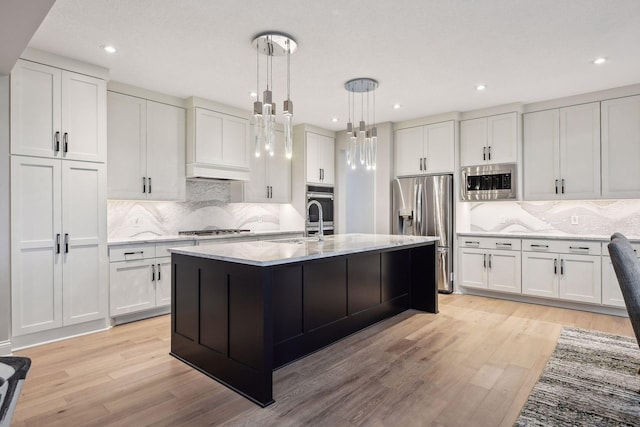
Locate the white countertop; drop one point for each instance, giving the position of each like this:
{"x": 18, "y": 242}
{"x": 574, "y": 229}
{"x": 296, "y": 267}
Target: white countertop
{"x": 276, "y": 252}
{"x": 180, "y": 237}
{"x": 546, "y": 236}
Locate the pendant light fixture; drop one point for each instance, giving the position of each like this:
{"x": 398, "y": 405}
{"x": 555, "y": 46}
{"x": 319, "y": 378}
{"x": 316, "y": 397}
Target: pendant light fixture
{"x": 272, "y": 44}
{"x": 362, "y": 145}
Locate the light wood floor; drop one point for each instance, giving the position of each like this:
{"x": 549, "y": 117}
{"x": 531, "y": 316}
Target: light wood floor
{"x": 473, "y": 364}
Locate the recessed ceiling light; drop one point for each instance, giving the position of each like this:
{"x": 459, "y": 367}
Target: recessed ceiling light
{"x": 335, "y": 120}
{"x": 396, "y": 106}
{"x": 253, "y": 94}
{"x": 599, "y": 61}
{"x": 109, "y": 49}
{"x": 481, "y": 87}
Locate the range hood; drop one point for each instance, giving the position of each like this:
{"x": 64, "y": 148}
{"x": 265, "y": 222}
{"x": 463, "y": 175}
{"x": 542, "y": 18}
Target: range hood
{"x": 205, "y": 171}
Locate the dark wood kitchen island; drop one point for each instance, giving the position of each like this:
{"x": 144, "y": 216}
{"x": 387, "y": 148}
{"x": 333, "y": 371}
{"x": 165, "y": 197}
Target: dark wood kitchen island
{"x": 241, "y": 310}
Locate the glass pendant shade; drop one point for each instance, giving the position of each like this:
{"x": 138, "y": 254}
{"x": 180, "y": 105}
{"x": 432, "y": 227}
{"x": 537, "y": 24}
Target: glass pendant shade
{"x": 374, "y": 147}
{"x": 257, "y": 128}
{"x": 288, "y": 124}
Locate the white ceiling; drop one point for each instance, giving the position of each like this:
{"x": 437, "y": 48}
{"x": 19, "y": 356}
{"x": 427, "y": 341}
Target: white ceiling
{"x": 428, "y": 55}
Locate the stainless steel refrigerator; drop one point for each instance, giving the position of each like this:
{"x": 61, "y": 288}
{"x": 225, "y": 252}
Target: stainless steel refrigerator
{"x": 423, "y": 206}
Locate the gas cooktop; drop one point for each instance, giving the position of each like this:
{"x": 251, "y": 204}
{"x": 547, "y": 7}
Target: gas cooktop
{"x": 213, "y": 232}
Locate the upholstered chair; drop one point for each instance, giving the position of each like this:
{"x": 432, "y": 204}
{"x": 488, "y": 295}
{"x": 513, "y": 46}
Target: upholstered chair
{"x": 13, "y": 371}
{"x": 627, "y": 268}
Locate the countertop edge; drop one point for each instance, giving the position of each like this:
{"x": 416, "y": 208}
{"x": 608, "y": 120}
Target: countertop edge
{"x": 295, "y": 259}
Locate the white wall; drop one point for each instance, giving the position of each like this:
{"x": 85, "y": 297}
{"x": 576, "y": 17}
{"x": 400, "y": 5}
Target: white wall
{"x": 5, "y": 278}
{"x": 364, "y": 198}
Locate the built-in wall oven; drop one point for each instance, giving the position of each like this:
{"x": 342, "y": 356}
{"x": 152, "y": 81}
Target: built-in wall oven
{"x": 324, "y": 196}
{"x": 489, "y": 182}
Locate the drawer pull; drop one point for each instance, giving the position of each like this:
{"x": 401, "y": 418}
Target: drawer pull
{"x": 540, "y": 246}
{"x": 579, "y": 248}
{"x": 503, "y": 244}
{"x": 133, "y": 253}
{"x": 468, "y": 242}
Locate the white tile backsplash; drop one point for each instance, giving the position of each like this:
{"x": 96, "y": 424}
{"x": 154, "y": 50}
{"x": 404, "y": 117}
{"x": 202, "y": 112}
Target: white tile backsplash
{"x": 207, "y": 205}
{"x": 602, "y": 217}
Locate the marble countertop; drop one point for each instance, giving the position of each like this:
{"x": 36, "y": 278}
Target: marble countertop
{"x": 284, "y": 251}
{"x": 546, "y": 236}
{"x": 179, "y": 237}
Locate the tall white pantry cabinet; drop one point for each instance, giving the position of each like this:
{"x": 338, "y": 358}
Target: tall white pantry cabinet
{"x": 58, "y": 199}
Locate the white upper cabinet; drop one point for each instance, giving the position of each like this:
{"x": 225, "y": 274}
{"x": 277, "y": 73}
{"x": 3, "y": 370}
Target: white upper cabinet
{"x": 489, "y": 140}
{"x": 320, "y": 152}
{"x": 218, "y": 145}
{"x": 562, "y": 153}
{"x": 270, "y": 179}
{"x": 425, "y": 149}
{"x": 57, "y": 113}
{"x": 621, "y": 147}
{"x": 146, "y": 149}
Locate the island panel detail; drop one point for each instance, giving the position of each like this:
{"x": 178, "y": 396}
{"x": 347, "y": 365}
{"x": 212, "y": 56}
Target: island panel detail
{"x": 238, "y": 322}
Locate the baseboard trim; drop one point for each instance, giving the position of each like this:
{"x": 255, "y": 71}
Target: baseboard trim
{"x": 5, "y": 348}
{"x": 133, "y": 317}
{"x": 601, "y": 309}
{"x": 45, "y": 337}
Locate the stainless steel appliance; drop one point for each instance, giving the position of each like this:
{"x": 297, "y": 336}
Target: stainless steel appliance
{"x": 212, "y": 231}
{"x": 489, "y": 182}
{"x": 423, "y": 206}
{"x": 324, "y": 196}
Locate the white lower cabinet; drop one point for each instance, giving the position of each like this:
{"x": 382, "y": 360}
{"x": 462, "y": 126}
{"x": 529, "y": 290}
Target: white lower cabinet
{"x": 567, "y": 270}
{"x": 611, "y": 293}
{"x": 489, "y": 263}
{"x": 140, "y": 276}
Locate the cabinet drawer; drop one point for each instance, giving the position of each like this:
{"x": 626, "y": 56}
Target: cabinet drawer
{"x": 132, "y": 252}
{"x": 578, "y": 247}
{"x": 635, "y": 246}
{"x": 489, "y": 243}
{"x": 162, "y": 249}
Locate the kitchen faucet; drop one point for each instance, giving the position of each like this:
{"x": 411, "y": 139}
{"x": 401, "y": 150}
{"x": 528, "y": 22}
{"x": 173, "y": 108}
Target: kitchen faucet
{"x": 320, "y": 228}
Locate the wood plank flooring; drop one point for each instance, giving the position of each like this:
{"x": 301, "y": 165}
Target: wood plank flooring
{"x": 474, "y": 363}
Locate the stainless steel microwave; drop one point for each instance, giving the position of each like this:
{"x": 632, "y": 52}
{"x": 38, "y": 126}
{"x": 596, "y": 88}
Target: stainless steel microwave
{"x": 489, "y": 182}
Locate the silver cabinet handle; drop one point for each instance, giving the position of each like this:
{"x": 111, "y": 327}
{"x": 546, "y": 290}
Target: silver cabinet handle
{"x": 149, "y": 185}
{"x": 489, "y": 261}
{"x": 484, "y": 153}
{"x": 489, "y": 151}
{"x": 144, "y": 184}
{"x": 471, "y": 242}
{"x": 66, "y": 243}
{"x": 579, "y": 248}
{"x": 270, "y": 192}
{"x": 563, "y": 186}
{"x": 153, "y": 272}
{"x": 56, "y": 139}
{"x": 540, "y": 246}
{"x": 508, "y": 245}
{"x": 133, "y": 253}
{"x": 425, "y": 163}
{"x": 65, "y": 142}
{"x": 267, "y": 191}
{"x": 484, "y": 260}
{"x": 556, "y": 186}
{"x": 555, "y": 266}
{"x": 159, "y": 273}
{"x": 561, "y": 266}
{"x": 420, "y": 163}
{"x": 58, "y": 243}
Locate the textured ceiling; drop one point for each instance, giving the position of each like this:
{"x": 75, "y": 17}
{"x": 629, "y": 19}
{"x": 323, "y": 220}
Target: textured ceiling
{"x": 428, "y": 55}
